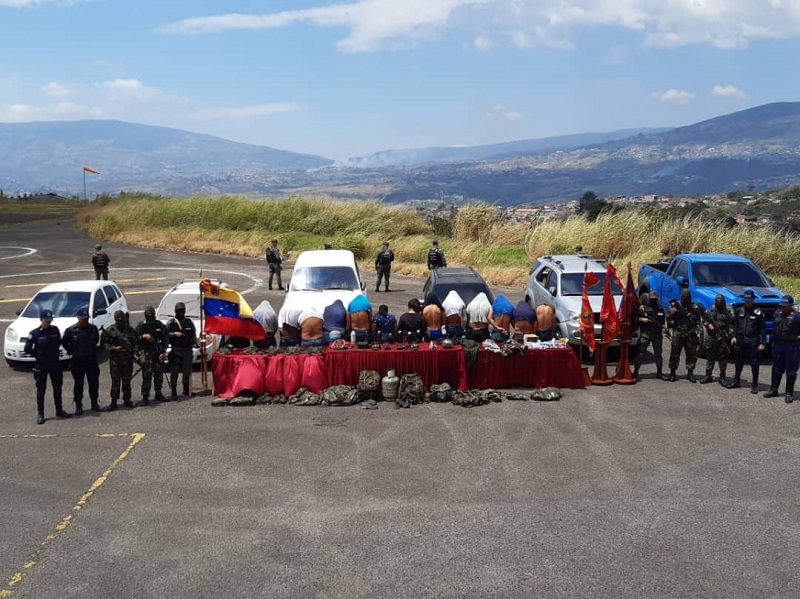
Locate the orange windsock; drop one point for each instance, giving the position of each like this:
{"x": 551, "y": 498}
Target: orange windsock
{"x": 89, "y": 169}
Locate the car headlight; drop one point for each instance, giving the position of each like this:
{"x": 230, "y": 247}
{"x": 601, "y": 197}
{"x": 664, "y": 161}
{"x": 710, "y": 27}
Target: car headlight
{"x": 574, "y": 316}
{"x": 11, "y": 335}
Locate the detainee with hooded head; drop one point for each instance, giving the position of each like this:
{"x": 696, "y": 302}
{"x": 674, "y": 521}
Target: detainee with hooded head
{"x": 501, "y": 318}
{"x": 455, "y": 314}
{"x": 477, "y": 325}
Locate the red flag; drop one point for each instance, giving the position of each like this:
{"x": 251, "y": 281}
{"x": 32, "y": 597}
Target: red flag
{"x": 608, "y": 311}
{"x": 629, "y": 308}
{"x": 587, "y": 316}
{"x": 614, "y": 276}
{"x": 89, "y": 169}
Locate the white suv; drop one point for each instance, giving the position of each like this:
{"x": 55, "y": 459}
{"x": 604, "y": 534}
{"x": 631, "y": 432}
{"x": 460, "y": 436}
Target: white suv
{"x": 101, "y": 298}
{"x": 558, "y": 282}
{"x": 188, "y": 292}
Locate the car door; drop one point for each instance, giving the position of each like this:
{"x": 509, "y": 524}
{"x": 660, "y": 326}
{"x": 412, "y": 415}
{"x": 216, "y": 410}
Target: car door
{"x": 101, "y": 317}
{"x": 116, "y": 301}
{"x": 540, "y": 291}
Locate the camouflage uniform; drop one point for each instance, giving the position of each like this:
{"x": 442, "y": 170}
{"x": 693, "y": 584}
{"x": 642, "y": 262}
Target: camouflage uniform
{"x": 151, "y": 353}
{"x": 120, "y": 341}
{"x": 683, "y": 319}
{"x": 650, "y": 331}
{"x": 717, "y": 341}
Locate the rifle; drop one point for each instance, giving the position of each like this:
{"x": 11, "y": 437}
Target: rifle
{"x": 687, "y": 316}
{"x": 126, "y": 347}
{"x": 715, "y": 334}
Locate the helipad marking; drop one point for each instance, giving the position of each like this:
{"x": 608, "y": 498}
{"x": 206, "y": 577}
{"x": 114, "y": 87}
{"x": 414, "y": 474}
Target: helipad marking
{"x": 64, "y": 523}
{"x": 28, "y": 251}
{"x": 116, "y": 281}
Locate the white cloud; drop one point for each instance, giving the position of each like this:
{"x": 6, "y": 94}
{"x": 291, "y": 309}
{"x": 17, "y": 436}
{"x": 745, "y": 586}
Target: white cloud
{"x": 675, "y": 96}
{"x": 21, "y": 3}
{"x": 378, "y": 24}
{"x": 728, "y": 91}
{"x": 501, "y": 113}
{"x": 373, "y": 24}
{"x": 17, "y": 113}
{"x": 482, "y": 43}
{"x": 243, "y": 112}
{"x": 56, "y": 89}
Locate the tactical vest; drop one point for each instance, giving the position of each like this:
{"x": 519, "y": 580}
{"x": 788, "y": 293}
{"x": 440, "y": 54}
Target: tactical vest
{"x": 385, "y": 257}
{"x": 787, "y": 327}
{"x": 749, "y": 323}
{"x": 435, "y": 257}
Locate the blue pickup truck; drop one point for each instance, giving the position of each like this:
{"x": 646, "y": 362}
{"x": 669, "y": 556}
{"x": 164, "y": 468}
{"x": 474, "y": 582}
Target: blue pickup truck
{"x": 706, "y": 275}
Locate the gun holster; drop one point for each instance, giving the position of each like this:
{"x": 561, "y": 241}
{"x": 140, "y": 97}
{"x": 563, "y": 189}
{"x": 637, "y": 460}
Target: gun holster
{"x": 37, "y": 373}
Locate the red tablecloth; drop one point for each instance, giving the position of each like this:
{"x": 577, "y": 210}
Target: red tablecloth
{"x": 441, "y": 365}
{"x": 538, "y": 368}
{"x": 236, "y": 372}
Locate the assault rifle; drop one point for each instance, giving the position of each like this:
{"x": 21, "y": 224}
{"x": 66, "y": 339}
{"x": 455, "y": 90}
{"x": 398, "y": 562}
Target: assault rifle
{"x": 126, "y": 347}
{"x": 716, "y": 335}
{"x": 688, "y": 317}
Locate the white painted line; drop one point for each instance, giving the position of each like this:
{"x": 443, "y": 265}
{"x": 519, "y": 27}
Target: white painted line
{"x": 26, "y": 251}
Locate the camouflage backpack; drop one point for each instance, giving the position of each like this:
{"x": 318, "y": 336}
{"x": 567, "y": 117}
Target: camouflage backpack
{"x": 546, "y": 394}
{"x": 338, "y": 395}
{"x": 441, "y": 393}
{"x": 412, "y": 389}
{"x": 369, "y": 385}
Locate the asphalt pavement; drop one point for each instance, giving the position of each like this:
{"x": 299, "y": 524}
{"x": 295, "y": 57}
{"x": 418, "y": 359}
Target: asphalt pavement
{"x": 650, "y": 490}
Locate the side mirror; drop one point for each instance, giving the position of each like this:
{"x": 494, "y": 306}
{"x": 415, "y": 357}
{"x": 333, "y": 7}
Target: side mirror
{"x": 363, "y": 286}
{"x": 682, "y": 282}
{"x": 771, "y": 283}
{"x": 18, "y": 312}
{"x": 100, "y": 312}
{"x": 552, "y": 291}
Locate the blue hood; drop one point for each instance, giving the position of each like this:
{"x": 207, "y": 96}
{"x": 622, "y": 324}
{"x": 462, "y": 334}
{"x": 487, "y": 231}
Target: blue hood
{"x": 733, "y": 294}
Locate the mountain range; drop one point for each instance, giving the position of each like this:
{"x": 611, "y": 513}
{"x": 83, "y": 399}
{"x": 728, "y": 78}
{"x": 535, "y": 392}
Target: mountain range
{"x": 758, "y": 147}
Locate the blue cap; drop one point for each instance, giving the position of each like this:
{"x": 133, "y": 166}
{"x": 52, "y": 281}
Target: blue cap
{"x": 46, "y": 314}
{"x": 83, "y": 313}
{"x": 749, "y": 294}
{"x": 787, "y": 300}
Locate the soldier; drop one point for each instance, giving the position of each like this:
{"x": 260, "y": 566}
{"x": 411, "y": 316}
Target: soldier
{"x": 683, "y": 319}
{"x": 719, "y": 330}
{"x": 652, "y": 323}
{"x": 383, "y": 265}
{"x": 43, "y": 344}
{"x": 100, "y": 262}
{"x": 749, "y": 338}
{"x": 151, "y": 335}
{"x": 119, "y": 340}
{"x": 785, "y": 354}
{"x": 183, "y": 338}
{"x": 81, "y": 341}
{"x": 274, "y": 261}
{"x": 436, "y": 257}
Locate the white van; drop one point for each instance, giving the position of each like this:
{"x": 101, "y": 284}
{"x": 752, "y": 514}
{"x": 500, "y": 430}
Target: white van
{"x": 320, "y": 277}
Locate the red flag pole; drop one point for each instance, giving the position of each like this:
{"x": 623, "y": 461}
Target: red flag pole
{"x": 623, "y": 375}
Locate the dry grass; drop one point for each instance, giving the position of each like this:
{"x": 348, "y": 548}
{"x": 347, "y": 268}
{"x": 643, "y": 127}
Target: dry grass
{"x": 502, "y": 252}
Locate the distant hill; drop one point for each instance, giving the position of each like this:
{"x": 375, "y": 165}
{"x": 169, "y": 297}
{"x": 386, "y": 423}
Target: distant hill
{"x": 757, "y": 147}
{"x": 511, "y": 149}
{"x": 51, "y": 156}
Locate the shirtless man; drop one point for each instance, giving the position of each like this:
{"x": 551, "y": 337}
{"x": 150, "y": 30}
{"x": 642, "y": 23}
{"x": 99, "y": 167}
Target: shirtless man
{"x": 501, "y": 317}
{"x": 524, "y": 320}
{"x": 545, "y": 322}
{"x": 311, "y": 333}
{"x": 434, "y": 316}
{"x": 290, "y": 329}
{"x": 359, "y": 317}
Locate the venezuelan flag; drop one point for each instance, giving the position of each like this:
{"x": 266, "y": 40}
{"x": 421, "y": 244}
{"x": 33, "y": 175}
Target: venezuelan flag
{"x": 227, "y": 313}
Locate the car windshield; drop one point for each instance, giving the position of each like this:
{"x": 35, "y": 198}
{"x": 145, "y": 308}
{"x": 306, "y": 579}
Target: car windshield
{"x": 318, "y": 278}
{"x": 167, "y": 307}
{"x": 572, "y": 284}
{"x": 467, "y": 291}
{"x": 61, "y": 303}
{"x": 728, "y": 273}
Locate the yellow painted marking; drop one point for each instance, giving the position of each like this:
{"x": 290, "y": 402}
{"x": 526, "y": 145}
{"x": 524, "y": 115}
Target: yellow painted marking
{"x": 64, "y": 523}
{"x": 21, "y": 299}
{"x": 114, "y": 281}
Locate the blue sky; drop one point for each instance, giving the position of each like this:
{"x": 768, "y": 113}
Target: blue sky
{"x": 359, "y": 76}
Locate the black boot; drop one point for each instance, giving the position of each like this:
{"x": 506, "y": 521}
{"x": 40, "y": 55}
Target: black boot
{"x": 754, "y": 385}
{"x": 671, "y": 378}
{"x": 736, "y": 383}
{"x": 722, "y": 378}
{"x": 660, "y": 374}
{"x": 78, "y": 408}
{"x": 145, "y": 401}
{"x": 63, "y": 414}
{"x": 128, "y": 404}
{"x": 690, "y": 376}
{"x": 40, "y": 419}
{"x": 790, "y": 379}
{"x": 774, "y": 385}
{"x": 111, "y": 407}
{"x": 636, "y": 373}
{"x": 95, "y": 406}
{"x": 709, "y": 378}
{"x": 160, "y": 396}
{"x": 173, "y": 395}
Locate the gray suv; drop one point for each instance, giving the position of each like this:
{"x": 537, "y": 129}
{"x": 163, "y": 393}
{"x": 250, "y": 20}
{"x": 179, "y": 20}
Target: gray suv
{"x": 558, "y": 282}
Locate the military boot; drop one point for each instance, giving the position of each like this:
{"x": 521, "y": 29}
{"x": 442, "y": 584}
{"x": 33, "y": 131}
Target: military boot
{"x": 671, "y": 378}
{"x": 160, "y": 396}
{"x": 128, "y": 404}
{"x": 636, "y": 373}
{"x": 40, "y": 419}
{"x": 144, "y": 402}
{"x": 709, "y": 378}
{"x": 754, "y": 386}
{"x": 736, "y": 383}
{"x": 722, "y": 378}
{"x": 95, "y": 405}
{"x": 790, "y": 379}
{"x": 774, "y": 385}
{"x": 78, "y": 408}
{"x": 660, "y": 374}
{"x": 60, "y": 413}
{"x": 111, "y": 407}
{"x": 173, "y": 394}
{"x": 690, "y": 376}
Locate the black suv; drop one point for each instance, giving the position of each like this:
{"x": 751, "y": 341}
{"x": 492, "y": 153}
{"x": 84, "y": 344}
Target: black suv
{"x": 465, "y": 281}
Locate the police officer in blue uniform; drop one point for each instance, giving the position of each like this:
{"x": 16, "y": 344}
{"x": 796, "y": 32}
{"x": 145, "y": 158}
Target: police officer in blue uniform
{"x": 749, "y": 338}
{"x": 82, "y": 341}
{"x": 44, "y": 343}
{"x": 785, "y": 353}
